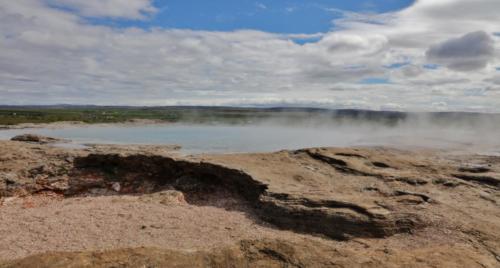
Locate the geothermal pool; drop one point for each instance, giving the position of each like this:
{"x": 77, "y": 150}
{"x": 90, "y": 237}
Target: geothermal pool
{"x": 265, "y": 138}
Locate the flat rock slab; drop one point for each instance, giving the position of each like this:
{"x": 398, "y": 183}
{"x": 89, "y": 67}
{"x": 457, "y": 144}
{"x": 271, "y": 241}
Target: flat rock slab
{"x": 36, "y": 139}
{"x": 347, "y": 207}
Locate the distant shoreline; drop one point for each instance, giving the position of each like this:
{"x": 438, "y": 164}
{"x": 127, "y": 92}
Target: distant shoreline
{"x": 65, "y": 124}
{"x": 35, "y": 116}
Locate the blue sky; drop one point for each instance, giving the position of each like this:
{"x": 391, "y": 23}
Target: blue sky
{"x": 277, "y": 16}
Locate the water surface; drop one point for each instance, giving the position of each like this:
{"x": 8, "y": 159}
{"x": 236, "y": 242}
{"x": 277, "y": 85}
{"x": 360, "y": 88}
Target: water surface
{"x": 262, "y": 138}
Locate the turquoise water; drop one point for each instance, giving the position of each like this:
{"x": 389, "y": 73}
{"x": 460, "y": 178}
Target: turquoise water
{"x": 194, "y": 138}
{"x": 254, "y": 138}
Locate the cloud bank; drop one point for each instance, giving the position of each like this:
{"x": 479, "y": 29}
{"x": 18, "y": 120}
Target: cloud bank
{"x": 431, "y": 56}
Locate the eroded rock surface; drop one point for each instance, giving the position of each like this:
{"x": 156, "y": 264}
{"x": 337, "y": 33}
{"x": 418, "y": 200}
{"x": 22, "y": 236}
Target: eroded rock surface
{"x": 393, "y": 207}
{"x": 35, "y": 139}
{"x": 257, "y": 253}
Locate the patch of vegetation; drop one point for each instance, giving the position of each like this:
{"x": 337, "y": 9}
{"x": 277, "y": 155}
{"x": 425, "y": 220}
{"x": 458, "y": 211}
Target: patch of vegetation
{"x": 18, "y": 115}
{"x": 88, "y": 115}
{"x": 12, "y": 115}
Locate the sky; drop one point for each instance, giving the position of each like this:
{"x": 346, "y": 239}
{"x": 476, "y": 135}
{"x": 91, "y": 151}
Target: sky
{"x": 423, "y": 55}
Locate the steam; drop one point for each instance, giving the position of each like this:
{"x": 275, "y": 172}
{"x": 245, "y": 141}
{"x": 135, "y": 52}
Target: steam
{"x": 472, "y": 133}
{"x": 476, "y": 133}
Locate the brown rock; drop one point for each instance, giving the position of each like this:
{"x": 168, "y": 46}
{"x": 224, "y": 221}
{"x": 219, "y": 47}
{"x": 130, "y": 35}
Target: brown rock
{"x": 35, "y": 139}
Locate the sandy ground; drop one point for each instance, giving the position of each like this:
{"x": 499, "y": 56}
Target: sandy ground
{"x": 98, "y": 223}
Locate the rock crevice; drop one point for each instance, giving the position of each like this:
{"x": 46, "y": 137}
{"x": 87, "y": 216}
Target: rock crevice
{"x": 201, "y": 181}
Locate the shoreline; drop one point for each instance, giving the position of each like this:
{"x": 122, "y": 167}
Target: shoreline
{"x": 65, "y": 124}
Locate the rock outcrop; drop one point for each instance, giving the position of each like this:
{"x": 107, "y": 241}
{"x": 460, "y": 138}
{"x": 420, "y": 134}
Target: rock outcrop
{"x": 252, "y": 253}
{"x": 332, "y": 206}
{"x": 36, "y": 139}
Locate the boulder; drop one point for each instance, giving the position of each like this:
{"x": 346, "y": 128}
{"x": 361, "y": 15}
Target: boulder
{"x": 35, "y": 139}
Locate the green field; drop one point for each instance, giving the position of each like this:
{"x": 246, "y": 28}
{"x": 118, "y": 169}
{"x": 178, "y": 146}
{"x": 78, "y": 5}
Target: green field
{"x": 12, "y": 115}
{"x": 18, "y": 115}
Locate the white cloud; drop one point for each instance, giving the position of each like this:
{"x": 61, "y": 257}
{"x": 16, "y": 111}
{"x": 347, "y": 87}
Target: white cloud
{"x": 495, "y": 80}
{"x": 348, "y": 44}
{"x": 129, "y": 9}
{"x": 412, "y": 70}
{"x": 470, "y": 52}
{"x": 260, "y": 5}
{"x": 50, "y": 55}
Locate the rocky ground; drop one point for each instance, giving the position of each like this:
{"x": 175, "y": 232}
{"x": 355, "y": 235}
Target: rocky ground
{"x": 143, "y": 206}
